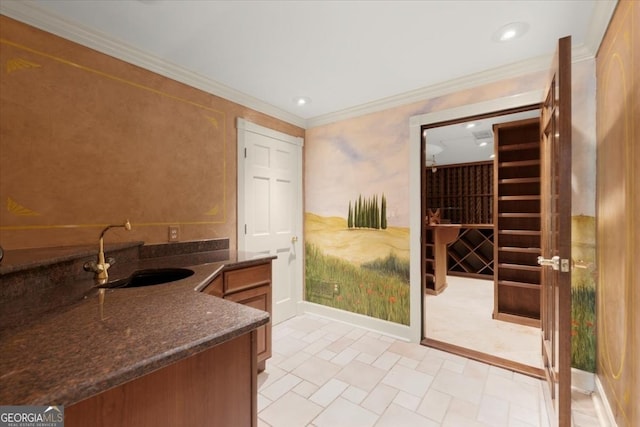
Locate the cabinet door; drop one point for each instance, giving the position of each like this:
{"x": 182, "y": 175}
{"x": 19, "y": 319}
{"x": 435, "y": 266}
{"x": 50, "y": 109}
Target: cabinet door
{"x": 259, "y": 298}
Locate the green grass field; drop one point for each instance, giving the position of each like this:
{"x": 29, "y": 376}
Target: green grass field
{"x": 373, "y": 291}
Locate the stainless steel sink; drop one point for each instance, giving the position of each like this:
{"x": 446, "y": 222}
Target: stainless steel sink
{"x": 150, "y": 277}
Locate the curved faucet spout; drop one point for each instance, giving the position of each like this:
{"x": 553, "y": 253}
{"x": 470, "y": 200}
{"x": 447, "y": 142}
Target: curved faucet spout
{"x": 101, "y": 267}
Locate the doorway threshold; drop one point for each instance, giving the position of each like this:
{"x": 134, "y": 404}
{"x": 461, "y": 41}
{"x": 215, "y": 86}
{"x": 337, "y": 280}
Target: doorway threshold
{"x": 485, "y": 358}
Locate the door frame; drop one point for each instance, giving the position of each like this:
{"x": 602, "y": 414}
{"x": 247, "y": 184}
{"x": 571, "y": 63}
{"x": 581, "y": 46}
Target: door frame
{"x": 497, "y": 105}
{"x": 245, "y": 125}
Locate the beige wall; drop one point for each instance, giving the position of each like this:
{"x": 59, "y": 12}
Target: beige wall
{"x": 618, "y": 204}
{"x": 87, "y": 140}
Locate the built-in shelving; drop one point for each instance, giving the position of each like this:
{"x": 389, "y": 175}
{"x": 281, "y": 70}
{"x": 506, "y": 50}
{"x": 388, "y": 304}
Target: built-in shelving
{"x": 464, "y": 195}
{"x": 517, "y": 220}
{"x": 472, "y": 253}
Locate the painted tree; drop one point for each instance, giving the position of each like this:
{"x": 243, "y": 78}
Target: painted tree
{"x": 368, "y": 213}
{"x": 383, "y": 213}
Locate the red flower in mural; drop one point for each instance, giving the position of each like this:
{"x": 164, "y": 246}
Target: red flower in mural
{"x": 392, "y": 300}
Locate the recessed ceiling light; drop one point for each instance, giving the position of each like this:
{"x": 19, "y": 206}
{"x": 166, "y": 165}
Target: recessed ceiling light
{"x": 302, "y": 100}
{"x": 470, "y": 125}
{"x": 483, "y": 144}
{"x": 510, "y": 31}
{"x": 492, "y": 156}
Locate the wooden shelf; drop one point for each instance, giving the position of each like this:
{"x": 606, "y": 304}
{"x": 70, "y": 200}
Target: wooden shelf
{"x": 520, "y": 267}
{"x": 517, "y": 249}
{"x": 517, "y": 219}
{"x": 519, "y": 163}
{"x": 525, "y": 146}
{"x": 520, "y": 232}
{"x": 518, "y": 215}
{"x": 525, "y": 197}
{"x": 517, "y": 284}
{"x": 519, "y": 181}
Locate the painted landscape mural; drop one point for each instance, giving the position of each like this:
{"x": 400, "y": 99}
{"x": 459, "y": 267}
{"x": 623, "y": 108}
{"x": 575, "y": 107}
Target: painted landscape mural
{"x": 357, "y": 217}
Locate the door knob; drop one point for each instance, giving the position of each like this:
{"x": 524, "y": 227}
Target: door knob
{"x": 553, "y": 262}
{"x": 294, "y": 239}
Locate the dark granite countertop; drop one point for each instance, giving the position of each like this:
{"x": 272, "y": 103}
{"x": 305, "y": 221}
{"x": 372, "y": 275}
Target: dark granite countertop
{"x": 72, "y": 353}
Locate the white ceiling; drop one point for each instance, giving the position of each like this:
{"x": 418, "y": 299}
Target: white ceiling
{"x": 461, "y": 143}
{"x": 344, "y": 55}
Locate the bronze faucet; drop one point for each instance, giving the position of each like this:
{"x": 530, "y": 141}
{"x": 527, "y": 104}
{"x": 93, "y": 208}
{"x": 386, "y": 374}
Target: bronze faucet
{"x": 101, "y": 267}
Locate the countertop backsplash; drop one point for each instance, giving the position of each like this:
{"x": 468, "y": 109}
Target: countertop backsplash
{"x": 34, "y": 282}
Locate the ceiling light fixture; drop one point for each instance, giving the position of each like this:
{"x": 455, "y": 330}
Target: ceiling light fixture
{"x": 470, "y": 125}
{"x": 433, "y": 148}
{"x": 302, "y": 100}
{"x": 510, "y": 31}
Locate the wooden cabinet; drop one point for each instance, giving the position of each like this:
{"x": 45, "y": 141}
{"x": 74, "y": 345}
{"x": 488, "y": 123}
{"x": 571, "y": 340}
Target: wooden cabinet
{"x": 215, "y": 387}
{"x": 249, "y": 286}
{"x": 517, "y": 220}
{"x": 441, "y": 235}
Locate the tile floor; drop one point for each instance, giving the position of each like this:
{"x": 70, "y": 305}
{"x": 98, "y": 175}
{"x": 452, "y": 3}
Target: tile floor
{"x": 326, "y": 373}
{"x": 461, "y": 315}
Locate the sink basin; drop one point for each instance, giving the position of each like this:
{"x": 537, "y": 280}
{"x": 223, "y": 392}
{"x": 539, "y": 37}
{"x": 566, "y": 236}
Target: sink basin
{"x": 149, "y": 277}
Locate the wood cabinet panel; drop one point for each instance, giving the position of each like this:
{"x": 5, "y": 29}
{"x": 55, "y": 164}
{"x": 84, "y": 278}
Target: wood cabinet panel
{"x": 216, "y": 387}
{"x": 259, "y": 298}
{"x": 249, "y": 286}
{"x": 215, "y": 288}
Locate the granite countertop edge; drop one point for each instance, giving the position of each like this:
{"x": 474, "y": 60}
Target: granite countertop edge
{"x": 85, "y": 355}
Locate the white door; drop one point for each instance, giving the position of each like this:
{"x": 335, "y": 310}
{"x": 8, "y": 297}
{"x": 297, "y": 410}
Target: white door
{"x": 270, "y": 208}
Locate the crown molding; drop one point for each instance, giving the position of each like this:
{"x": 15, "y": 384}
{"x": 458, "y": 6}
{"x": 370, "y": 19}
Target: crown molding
{"x": 528, "y": 66}
{"x": 29, "y": 13}
{"x": 26, "y": 11}
{"x": 598, "y": 24}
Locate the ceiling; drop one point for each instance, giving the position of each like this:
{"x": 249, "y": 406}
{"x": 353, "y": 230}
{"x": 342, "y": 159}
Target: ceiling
{"x": 347, "y": 57}
{"x": 466, "y": 142}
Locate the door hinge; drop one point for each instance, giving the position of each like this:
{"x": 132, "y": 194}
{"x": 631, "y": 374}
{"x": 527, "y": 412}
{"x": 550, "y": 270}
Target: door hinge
{"x": 245, "y": 152}
{"x": 245, "y": 229}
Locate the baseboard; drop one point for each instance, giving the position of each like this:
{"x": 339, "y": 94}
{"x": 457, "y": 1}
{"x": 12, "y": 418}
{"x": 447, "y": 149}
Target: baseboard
{"x": 605, "y": 414}
{"x": 394, "y": 330}
{"x": 583, "y": 380}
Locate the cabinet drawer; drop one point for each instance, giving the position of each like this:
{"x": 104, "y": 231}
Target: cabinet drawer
{"x": 246, "y": 278}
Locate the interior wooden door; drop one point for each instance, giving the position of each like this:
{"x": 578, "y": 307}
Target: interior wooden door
{"x": 555, "y": 141}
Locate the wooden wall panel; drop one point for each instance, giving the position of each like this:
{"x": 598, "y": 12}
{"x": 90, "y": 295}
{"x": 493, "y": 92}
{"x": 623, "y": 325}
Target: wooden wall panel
{"x": 618, "y": 115}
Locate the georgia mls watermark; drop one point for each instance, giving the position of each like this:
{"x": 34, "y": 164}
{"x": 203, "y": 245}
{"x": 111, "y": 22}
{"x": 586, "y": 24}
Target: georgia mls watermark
{"x": 31, "y": 416}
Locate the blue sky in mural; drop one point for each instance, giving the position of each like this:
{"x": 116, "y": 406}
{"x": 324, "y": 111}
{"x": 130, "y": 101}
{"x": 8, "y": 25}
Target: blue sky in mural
{"x": 364, "y": 156}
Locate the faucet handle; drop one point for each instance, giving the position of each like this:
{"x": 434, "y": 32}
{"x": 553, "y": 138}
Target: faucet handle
{"x": 127, "y": 225}
{"x": 110, "y": 261}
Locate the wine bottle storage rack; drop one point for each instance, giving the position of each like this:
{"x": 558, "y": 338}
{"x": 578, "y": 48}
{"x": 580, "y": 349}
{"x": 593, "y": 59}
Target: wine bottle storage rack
{"x": 471, "y": 254}
{"x": 463, "y": 193}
